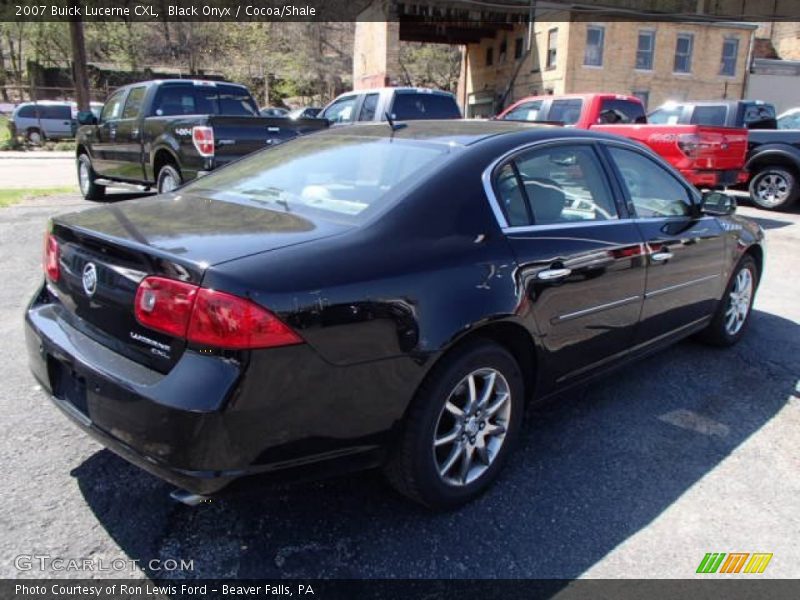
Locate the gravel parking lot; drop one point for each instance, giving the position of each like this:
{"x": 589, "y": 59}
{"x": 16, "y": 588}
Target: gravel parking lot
{"x": 694, "y": 450}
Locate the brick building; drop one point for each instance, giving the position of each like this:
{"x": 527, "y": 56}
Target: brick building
{"x": 657, "y": 61}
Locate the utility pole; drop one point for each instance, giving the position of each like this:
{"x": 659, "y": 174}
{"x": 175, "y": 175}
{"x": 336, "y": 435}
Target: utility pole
{"x": 79, "y": 72}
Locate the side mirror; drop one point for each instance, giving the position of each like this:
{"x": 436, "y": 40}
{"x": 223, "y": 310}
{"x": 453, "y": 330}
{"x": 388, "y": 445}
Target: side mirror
{"x": 86, "y": 117}
{"x": 718, "y": 204}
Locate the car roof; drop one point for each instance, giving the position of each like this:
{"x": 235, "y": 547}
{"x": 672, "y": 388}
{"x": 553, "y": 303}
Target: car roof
{"x": 460, "y": 132}
{"x": 381, "y": 90}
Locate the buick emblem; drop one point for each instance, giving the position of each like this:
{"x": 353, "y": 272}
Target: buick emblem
{"x": 90, "y": 279}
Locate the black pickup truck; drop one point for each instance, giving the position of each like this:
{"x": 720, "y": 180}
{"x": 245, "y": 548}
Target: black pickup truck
{"x": 773, "y": 155}
{"x": 165, "y": 132}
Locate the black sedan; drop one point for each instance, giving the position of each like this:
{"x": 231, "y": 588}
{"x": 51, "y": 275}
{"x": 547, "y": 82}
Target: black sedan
{"x": 378, "y": 296}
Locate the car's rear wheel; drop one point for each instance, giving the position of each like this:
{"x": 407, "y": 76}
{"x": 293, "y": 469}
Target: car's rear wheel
{"x": 463, "y": 422}
{"x": 34, "y": 136}
{"x": 733, "y": 313}
{"x": 169, "y": 178}
{"x": 86, "y": 180}
{"x": 774, "y": 188}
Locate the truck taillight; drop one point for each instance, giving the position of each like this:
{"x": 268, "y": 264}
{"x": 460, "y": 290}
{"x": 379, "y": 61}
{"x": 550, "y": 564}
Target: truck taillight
{"x": 692, "y": 145}
{"x": 52, "y": 254}
{"x": 209, "y": 317}
{"x": 203, "y": 139}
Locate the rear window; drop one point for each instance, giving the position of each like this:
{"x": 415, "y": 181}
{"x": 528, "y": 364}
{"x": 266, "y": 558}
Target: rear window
{"x": 620, "y": 111}
{"x": 410, "y": 106}
{"x": 342, "y": 177}
{"x": 228, "y": 100}
{"x": 566, "y": 111}
{"x": 715, "y": 116}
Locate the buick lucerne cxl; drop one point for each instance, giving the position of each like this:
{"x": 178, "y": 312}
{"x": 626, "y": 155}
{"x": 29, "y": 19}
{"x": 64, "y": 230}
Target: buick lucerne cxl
{"x": 381, "y": 295}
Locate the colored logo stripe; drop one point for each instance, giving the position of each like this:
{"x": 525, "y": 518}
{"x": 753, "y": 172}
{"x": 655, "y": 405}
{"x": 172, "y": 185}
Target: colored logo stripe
{"x": 713, "y": 562}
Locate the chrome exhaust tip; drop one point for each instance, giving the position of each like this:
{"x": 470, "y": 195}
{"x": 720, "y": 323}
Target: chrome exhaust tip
{"x": 187, "y": 498}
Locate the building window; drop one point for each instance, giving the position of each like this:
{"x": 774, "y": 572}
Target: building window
{"x": 593, "y": 53}
{"x": 683, "y": 53}
{"x": 519, "y": 45}
{"x": 552, "y": 45}
{"x": 489, "y": 56}
{"x": 645, "y": 50}
{"x": 730, "y": 50}
{"x": 503, "y": 50}
{"x": 643, "y": 96}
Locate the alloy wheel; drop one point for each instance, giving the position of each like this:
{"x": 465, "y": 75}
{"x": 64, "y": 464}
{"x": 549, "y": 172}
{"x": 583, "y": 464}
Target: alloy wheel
{"x": 472, "y": 427}
{"x": 84, "y": 178}
{"x": 168, "y": 183}
{"x": 772, "y": 190}
{"x": 739, "y": 302}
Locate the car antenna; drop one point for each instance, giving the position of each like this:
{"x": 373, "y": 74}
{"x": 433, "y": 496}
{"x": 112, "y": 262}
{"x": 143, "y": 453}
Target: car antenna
{"x": 394, "y": 126}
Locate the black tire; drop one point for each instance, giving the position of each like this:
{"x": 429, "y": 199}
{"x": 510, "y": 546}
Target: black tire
{"x": 774, "y": 188}
{"x": 718, "y": 333}
{"x": 414, "y": 465}
{"x": 168, "y": 173}
{"x": 86, "y": 180}
{"x": 34, "y": 136}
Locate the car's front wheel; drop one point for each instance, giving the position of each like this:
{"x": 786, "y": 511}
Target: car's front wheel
{"x": 733, "y": 313}
{"x": 463, "y": 422}
{"x": 86, "y": 180}
{"x": 774, "y": 188}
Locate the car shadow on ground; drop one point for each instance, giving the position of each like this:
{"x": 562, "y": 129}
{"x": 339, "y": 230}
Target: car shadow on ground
{"x": 591, "y": 470}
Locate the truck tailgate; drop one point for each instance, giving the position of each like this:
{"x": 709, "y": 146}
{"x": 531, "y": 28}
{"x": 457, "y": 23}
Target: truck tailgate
{"x": 237, "y": 136}
{"x": 690, "y": 147}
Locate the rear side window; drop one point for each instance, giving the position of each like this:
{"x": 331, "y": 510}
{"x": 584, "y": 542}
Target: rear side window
{"x": 133, "y": 103}
{"x": 621, "y": 112}
{"x": 666, "y": 115}
{"x": 55, "y": 112}
{"x": 715, "y": 116}
{"x": 557, "y": 184}
{"x": 527, "y": 111}
{"x": 410, "y": 106}
{"x": 27, "y": 112}
{"x": 566, "y": 111}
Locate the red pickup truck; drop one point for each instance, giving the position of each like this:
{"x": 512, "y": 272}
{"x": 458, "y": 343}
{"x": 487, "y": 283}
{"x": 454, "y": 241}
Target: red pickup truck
{"x": 706, "y": 156}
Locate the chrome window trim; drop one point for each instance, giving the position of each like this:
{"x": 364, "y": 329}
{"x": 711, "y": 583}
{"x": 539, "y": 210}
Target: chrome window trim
{"x": 488, "y": 175}
{"x": 595, "y": 309}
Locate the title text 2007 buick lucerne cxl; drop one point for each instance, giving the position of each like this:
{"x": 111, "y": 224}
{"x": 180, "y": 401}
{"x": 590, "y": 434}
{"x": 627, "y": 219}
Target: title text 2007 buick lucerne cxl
{"x": 381, "y": 295}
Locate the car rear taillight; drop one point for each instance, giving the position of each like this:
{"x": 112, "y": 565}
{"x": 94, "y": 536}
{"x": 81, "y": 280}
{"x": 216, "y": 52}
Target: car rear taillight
{"x": 203, "y": 139}
{"x": 165, "y": 305}
{"x": 52, "y": 268}
{"x": 209, "y": 317}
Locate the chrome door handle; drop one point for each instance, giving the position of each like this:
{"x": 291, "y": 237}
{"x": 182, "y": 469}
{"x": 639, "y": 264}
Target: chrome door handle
{"x": 661, "y": 256}
{"x": 553, "y": 274}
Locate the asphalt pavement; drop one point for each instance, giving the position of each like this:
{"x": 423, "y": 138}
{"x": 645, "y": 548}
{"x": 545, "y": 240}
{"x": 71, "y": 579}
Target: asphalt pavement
{"x": 37, "y": 169}
{"x": 693, "y": 450}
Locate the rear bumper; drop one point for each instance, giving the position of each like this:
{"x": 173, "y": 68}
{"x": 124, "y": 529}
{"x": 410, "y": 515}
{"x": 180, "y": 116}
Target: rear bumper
{"x": 213, "y": 419}
{"x": 711, "y": 179}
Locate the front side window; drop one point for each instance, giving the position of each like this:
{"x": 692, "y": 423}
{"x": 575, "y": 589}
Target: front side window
{"x": 558, "y": 184}
{"x": 593, "y": 53}
{"x": 113, "y": 107}
{"x": 527, "y": 111}
{"x": 645, "y": 50}
{"x": 489, "y": 56}
{"x": 566, "y": 111}
{"x": 368, "y": 108}
{"x": 654, "y": 191}
{"x": 133, "y": 103}
{"x": 684, "y": 45}
{"x": 335, "y": 176}
{"x": 341, "y": 111}
{"x": 666, "y": 115}
{"x": 552, "y": 48}
{"x": 519, "y": 46}
{"x": 730, "y": 50}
